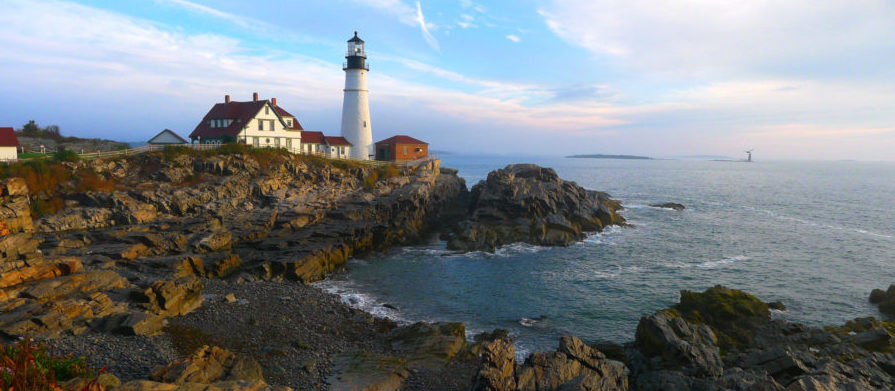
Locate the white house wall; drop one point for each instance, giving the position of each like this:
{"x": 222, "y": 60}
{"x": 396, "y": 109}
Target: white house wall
{"x": 8, "y": 154}
{"x": 277, "y": 136}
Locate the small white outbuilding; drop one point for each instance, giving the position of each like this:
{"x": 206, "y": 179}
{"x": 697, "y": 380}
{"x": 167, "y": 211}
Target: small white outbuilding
{"x": 167, "y": 137}
{"x": 9, "y": 145}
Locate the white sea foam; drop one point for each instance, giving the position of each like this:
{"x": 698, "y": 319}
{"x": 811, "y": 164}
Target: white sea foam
{"x": 722, "y": 262}
{"x": 818, "y": 224}
{"x": 350, "y": 295}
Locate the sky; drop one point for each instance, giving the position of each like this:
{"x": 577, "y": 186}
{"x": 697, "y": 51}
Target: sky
{"x": 793, "y": 79}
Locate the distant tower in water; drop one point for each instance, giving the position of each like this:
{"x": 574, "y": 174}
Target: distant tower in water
{"x": 749, "y": 155}
{"x": 356, "y": 127}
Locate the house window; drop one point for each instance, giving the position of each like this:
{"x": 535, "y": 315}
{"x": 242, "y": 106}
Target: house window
{"x": 272, "y": 127}
{"x": 289, "y": 143}
{"x": 255, "y": 141}
{"x": 405, "y": 149}
{"x": 289, "y": 122}
{"x": 260, "y": 125}
{"x": 266, "y": 110}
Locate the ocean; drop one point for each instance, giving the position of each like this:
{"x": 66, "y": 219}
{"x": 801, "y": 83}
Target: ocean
{"x": 818, "y": 236}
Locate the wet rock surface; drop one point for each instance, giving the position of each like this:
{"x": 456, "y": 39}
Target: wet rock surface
{"x": 529, "y": 203}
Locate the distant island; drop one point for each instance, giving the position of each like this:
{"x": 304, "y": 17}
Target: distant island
{"x": 598, "y": 156}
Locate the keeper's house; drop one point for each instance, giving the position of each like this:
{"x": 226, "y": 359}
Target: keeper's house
{"x": 401, "y": 148}
{"x": 9, "y": 145}
{"x": 259, "y": 123}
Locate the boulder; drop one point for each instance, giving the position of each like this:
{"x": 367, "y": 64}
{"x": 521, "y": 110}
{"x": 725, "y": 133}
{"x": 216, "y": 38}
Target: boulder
{"x": 496, "y": 370}
{"x": 733, "y": 315}
{"x": 175, "y": 297}
{"x": 41, "y": 271}
{"x": 140, "y": 323}
{"x": 528, "y": 203}
{"x": 66, "y": 286}
{"x": 209, "y": 364}
{"x": 574, "y": 367}
{"x": 884, "y": 299}
{"x": 671, "y": 342}
{"x": 214, "y": 241}
{"x": 429, "y": 343}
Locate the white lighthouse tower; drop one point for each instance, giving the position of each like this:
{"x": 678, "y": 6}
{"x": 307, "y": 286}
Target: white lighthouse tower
{"x": 356, "y": 127}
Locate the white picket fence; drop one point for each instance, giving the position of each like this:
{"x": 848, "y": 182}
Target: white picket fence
{"x": 204, "y": 147}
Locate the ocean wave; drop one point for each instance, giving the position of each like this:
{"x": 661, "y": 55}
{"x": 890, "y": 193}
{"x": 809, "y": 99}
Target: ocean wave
{"x": 706, "y": 264}
{"x": 722, "y": 262}
{"x": 819, "y": 224}
{"x": 616, "y": 272}
{"x": 368, "y": 303}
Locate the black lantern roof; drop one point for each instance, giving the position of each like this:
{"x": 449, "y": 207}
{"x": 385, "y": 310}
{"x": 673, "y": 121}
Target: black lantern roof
{"x": 355, "y": 39}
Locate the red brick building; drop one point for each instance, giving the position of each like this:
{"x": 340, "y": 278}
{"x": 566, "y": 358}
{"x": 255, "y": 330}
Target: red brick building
{"x": 400, "y": 148}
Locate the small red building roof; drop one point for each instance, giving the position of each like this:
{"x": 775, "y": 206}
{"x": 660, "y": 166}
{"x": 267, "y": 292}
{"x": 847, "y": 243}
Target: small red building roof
{"x": 336, "y": 140}
{"x": 401, "y": 139}
{"x": 8, "y": 138}
{"x": 310, "y": 137}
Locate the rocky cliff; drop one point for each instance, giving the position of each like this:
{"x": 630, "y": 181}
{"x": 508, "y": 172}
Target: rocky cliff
{"x": 720, "y": 339}
{"x": 124, "y": 259}
{"x": 528, "y": 203}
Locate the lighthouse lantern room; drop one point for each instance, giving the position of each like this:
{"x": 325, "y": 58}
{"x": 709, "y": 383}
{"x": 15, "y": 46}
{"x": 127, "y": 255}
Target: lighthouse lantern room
{"x": 356, "y": 127}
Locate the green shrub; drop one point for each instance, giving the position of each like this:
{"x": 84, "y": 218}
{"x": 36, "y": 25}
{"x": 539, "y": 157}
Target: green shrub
{"x": 64, "y": 155}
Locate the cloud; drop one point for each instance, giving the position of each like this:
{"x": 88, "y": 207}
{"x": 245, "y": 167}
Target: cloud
{"x": 424, "y": 28}
{"x": 244, "y": 22}
{"x": 513, "y": 38}
{"x": 407, "y": 15}
{"x": 151, "y": 76}
{"x": 696, "y": 38}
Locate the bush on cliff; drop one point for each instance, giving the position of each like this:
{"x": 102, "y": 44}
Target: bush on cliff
{"x": 65, "y": 155}
{"x": 732, "y": 313}
{"x": 26, "y": 365}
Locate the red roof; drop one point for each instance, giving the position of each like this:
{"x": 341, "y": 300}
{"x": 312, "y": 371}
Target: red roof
{"x": 309, "y": 137}
{"x": 240, "y": 112}
{"x": 8, "y": 138}
{"x": 401, "y": 139}
{"x": 333, "y": 140}
{"x": 284, "y": 113}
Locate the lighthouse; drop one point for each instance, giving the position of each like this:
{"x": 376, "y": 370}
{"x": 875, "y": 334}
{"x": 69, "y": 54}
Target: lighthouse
{"x": 356, "y": 127}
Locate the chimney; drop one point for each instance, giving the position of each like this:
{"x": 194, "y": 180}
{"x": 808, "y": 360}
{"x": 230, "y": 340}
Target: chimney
{"x": 273, "y": 101}
{"x": 255, "y": 96}
{"x": 226, "y": 98}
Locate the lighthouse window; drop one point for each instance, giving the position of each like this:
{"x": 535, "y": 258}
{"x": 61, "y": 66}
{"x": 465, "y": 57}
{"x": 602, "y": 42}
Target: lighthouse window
{"x": 365, "y": 124}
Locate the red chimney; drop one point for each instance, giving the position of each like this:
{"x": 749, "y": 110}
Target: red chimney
{"x": 226, "y": 98}
{"x": 273, "y": 101}
{"x": 255, "y": 96}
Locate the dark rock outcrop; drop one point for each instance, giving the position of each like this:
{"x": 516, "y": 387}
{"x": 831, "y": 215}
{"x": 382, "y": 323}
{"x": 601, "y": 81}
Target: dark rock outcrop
{"x": 885, "y": 299}
{"x": 574, "y": 366}
{"x": 669, "y": 205}
{"x": 528, "y": 203}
